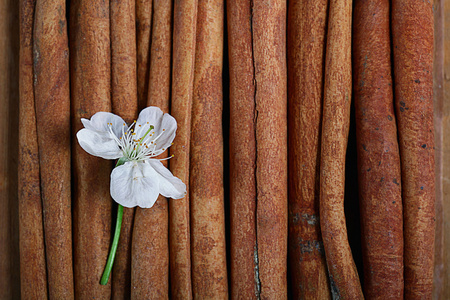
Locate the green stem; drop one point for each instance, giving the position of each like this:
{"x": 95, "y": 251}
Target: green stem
{"x": 112, "y": 253}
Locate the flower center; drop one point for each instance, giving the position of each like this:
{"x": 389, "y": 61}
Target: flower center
{"x": 138, "y": 143}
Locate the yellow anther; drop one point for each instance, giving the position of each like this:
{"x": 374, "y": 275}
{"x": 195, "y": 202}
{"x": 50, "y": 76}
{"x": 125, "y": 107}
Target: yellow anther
{"x": 164, "y": 129}
{"x": 134, "y": 121}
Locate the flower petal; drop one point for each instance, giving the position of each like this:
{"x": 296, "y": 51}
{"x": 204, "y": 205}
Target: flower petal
{"x": 98, "y": 144}
{"x": 169, "y": 185}
{"x": 166, "y": 134}
{"x": 148, "y": 116}
{"x": 100, "y": 121}
{"x": 135, "y": 184}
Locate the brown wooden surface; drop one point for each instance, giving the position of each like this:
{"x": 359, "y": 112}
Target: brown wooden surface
{"x": 184, "y": 32}
{"x": 208, "y": 257}
{"x": 52, "y": 102}
{"x": 269, "y": 46}
{"x": 33, "y": 273}
{"x": 413, "y": 67}
{"x": 90, "y": 91}
{"x": 379, "y": 173}
{"x": 306, "y": 49}
{"x": 335, "y": 125}
{"x": 243, "y": 284}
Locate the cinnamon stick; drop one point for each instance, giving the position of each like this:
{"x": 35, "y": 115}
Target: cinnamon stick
{"x": 184, "y": 33}
{"x": 446, "y": 145}
{"x": 335, "y": 126}
{"x": 91, "y": 88}
{"x": 9, "y": 109}
{"x": 150, "y": 252}
{"x": 438, "y": 95}
{"x": 412, "y": 32}
{"x": 209, "y": 270}
{"x": 150, "y": 247}
{"x": 143, "y": 42}
{"x": 242, "y": 153}
{"x": 379, "y": 172}
{"x": 125, "y": 104}
{"x": 269, "y": 54}
{"x": 33, "y": 274}
{"x": 52, "y": 101}
{"x": 160, "y": 58}
{"x": 306, "y": 45}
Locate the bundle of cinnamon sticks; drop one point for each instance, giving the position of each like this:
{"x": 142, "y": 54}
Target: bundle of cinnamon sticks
{"x": 264, "y": 94}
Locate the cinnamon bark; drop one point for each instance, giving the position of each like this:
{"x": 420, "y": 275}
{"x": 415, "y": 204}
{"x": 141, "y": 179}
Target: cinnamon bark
{"x": 269, "y": 56}
{"x": 184, "y": 33}
{"x": 125, "y": 104}
{"x": 446, "y": 146}
{"x": 150, "y": 252}
{"x": 412, "y": 28}
{"x": 91, "y": 89}
{"x": 33, "y": 274}
{"x": 335, "y": 126}
{"x": 438, "y": 95}
{"x": 143, "y": 41}
{"x": 242, "y": 153}
{"x": 160, "y": 58}
{"x": 150, "y": 248}
{"x": 379, "y": 172}
{"x": 9, "y": 110}
{"x": 52, "y": 101}
{"x": 306, "y": 45}
{"x": 209, "y": 270}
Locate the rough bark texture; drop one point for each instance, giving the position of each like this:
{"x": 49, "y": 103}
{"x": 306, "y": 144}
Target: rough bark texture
{"x": 209, "y": 269}
{"x": 412, "y": 28}
{"x": 33, "y": 273}
{"x": 446, "y": 147}
{"x": 438, "y": 96}
{"x": 150, "y": 250}
{"x": 91, "y": 89}
{"x": 306, "y": 49}
{"x": 52, "y": 100}
{"x": 125, "y": 104}
{"x": 379, "y": 172}
{"x": 335, "y": 125}
{"x": 9, "y": 110}
{"x": 160, "y": 58}
{"x": 269, "y": 45}
{"x": 244, "y": 280}
{"x": 184, "y": 32}
{"x": 143, "y": 41}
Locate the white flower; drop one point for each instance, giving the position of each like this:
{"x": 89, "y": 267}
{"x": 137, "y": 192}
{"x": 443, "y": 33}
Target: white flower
{"x": 141, "y": 178}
